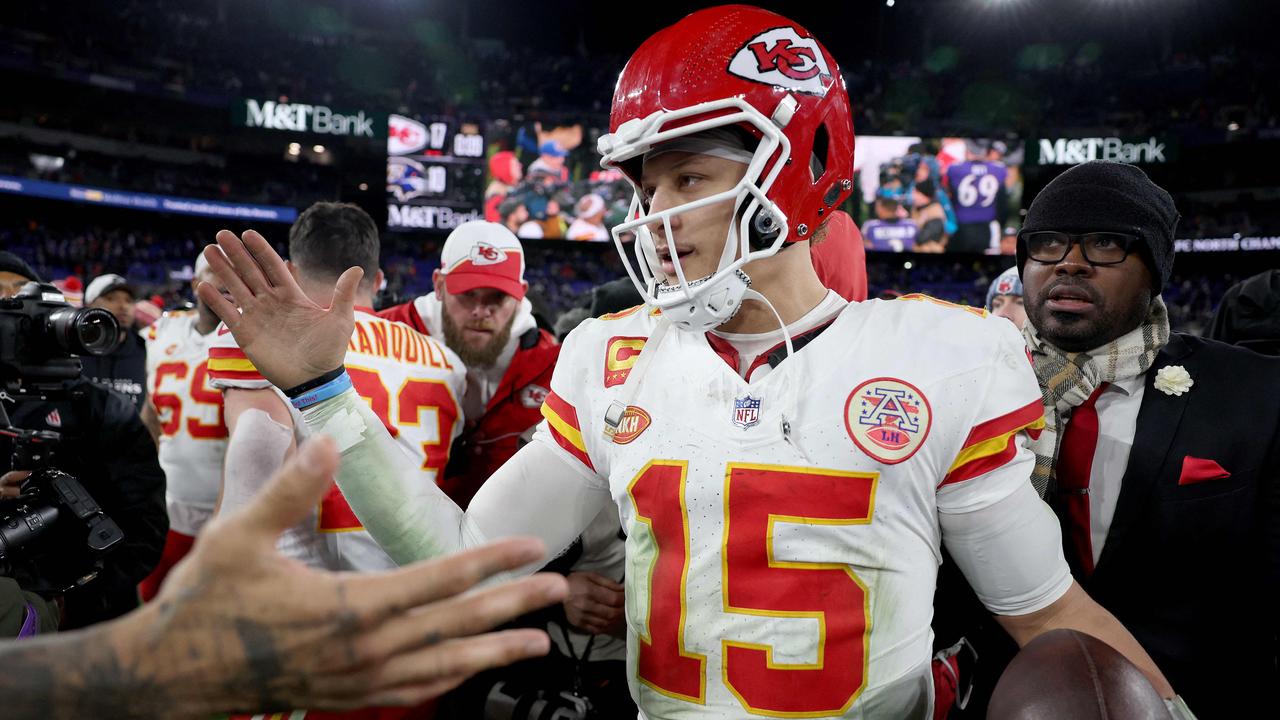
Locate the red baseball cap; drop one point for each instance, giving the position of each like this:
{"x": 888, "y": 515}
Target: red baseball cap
{"x": 480, "y": 254}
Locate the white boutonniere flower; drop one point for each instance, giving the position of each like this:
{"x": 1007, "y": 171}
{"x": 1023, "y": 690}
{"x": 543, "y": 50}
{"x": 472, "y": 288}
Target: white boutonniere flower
{"x": 1173, "y": 380}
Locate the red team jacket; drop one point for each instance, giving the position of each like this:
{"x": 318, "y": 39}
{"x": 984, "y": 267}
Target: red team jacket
{"x": 490, "y": 440}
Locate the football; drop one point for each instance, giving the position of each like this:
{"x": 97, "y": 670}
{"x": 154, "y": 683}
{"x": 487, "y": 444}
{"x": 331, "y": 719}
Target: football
{"x": 1068, "y": 675}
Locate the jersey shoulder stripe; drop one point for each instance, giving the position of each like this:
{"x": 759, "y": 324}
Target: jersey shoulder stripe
{"x": 230, "y": 363}
{"x": 562, "y": 420}
{"x": 993, "y": 443}
{"x": 921, "y": 297}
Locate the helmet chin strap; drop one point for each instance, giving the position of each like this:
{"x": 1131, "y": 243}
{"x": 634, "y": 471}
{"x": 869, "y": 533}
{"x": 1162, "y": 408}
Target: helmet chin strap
{"x": 786, "y": 336}
{"x": 716, "y": 303}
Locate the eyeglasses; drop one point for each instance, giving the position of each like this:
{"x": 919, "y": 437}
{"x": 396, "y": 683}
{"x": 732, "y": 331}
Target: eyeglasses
{"x": 1099, "y": 248}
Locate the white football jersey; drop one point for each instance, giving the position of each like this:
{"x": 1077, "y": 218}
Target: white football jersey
{"x": 783, "y": 536}
{"x": 193, "y": 436}
{"x": 412, "y": 382}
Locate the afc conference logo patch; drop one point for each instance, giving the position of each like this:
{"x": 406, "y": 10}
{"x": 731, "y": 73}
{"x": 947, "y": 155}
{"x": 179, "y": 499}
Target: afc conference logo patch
{"x": 888, "y": 419}
{"x": 1004, "y": 286}
{"x": 782, "y": 58}
{"x": 619, "y": 357}
{"x": 746, "y": 412}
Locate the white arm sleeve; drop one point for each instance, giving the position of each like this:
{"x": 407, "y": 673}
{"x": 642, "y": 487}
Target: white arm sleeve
{"x": 535, "y": 493}
{"x": 257, "y": 449}
{"x": 1010, "y": 552}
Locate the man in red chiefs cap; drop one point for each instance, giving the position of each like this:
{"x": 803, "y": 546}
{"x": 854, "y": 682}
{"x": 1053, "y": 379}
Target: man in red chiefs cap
{"x": 479, "y": 309}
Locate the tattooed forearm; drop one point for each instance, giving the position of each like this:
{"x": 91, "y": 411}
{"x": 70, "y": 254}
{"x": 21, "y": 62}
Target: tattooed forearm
{"x": 77, "y": 675}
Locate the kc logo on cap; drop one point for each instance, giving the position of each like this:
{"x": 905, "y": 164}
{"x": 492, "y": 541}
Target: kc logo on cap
{"x": 481, "y": 254}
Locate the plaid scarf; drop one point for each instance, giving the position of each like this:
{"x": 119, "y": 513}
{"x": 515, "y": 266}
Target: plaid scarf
{"x": 1068, "y": 379}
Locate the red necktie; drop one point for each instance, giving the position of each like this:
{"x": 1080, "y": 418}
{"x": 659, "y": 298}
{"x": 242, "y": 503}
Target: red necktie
{"x": 1075, "y": 460}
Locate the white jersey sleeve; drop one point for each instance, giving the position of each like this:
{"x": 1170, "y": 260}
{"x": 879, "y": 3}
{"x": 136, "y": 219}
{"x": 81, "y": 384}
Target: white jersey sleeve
{"x": 994, "y": 458}
{"x": 569, "y": 427}
{"x": 1001, "y": 535}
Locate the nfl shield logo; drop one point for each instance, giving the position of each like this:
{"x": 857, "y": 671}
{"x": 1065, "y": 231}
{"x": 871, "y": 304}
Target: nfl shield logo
{"x": 746, "y": 412}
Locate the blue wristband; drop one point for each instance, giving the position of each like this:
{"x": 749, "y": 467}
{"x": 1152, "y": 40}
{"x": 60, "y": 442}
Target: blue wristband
{"x": 333, "y": 388}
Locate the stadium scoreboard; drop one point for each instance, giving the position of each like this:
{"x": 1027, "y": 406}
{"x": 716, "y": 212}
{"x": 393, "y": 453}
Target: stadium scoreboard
{"x": 436, "y": 172}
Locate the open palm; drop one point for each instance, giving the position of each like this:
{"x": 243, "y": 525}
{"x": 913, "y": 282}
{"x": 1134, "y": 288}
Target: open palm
{"x": 289, "y": 338}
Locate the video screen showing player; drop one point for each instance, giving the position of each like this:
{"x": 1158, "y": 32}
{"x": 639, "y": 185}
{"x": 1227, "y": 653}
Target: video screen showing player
{"x": 540, "y": 179}
{"x": 960, "y": 194}
{"x": 546, "y": 182}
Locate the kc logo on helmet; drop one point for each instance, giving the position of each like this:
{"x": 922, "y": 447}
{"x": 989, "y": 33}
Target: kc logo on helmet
{"x": 888, "y": 419}
{"x": 781, "y": 57}
{"x": 482, "y": 253}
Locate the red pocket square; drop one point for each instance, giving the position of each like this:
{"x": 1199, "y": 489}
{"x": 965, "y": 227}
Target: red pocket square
{"x": 1196, "y": 470}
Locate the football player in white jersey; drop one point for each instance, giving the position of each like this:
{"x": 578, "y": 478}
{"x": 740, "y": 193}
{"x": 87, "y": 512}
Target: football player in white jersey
{"x": 184, "y": 413}
{"x": 785, "y": 494}
{"x": 411, "y": 382}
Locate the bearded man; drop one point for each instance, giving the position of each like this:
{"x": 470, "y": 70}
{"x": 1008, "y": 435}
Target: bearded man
{"x": 479, "y": 309}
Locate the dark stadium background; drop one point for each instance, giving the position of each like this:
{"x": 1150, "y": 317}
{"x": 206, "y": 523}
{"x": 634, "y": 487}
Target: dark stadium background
{"x": 139, "y": 96}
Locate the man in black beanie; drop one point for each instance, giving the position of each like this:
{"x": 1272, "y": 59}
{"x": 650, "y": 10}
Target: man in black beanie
{"x": 1160, "y": 455}
{"x": 14, "y": 273}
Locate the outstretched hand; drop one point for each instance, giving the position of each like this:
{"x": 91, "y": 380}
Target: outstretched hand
{"x": 239, "y": 627}
{"x": 289, "y": 337}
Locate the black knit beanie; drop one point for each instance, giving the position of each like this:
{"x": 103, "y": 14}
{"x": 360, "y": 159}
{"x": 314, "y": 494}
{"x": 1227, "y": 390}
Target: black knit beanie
{"x": 16, "y": 265}
{"x": 1108, "y": 196}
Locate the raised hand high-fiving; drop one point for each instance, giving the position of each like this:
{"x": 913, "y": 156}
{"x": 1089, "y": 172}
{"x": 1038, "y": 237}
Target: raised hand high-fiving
{"x": 289, "y": 337}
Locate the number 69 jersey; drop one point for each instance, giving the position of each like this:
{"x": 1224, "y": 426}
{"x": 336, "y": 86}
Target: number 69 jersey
{"x": 782, "y": 535}
{"x": 193, "y": 437}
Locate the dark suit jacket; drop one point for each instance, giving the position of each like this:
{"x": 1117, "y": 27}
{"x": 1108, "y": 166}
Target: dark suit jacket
{"x": 1192, "y": 570}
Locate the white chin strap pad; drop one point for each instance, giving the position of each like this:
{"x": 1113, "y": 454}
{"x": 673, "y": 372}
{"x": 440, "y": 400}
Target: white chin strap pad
{"x": 713, "y": 305}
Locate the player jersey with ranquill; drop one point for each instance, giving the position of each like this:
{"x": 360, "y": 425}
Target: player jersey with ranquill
{"x": 413, "y": 383}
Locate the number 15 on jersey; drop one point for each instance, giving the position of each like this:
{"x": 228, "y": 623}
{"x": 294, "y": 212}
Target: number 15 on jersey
{"x": 756, "y": 583}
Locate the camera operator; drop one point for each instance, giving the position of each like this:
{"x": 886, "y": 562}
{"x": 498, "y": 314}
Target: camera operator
{"x": 125, "y": 367}
{"x": 103, "y": 444}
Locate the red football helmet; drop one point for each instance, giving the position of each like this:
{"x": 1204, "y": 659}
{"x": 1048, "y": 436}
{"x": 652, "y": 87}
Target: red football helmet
{"x": 733, "y": 66}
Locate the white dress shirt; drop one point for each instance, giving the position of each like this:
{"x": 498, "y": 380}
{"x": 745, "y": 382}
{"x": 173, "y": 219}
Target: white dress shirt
{"x": 1117, "y": 423}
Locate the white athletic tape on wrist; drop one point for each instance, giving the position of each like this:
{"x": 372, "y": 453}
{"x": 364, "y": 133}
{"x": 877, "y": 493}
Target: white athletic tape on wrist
{"x": 346, "y": 427}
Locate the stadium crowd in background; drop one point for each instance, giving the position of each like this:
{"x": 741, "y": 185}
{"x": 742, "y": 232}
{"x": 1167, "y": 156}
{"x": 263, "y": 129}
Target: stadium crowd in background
{"x": 934, "y": 212}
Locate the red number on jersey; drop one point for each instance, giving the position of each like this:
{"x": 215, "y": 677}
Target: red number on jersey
{"x": 172, "y": 420}
{"x": 202, "y": 394}
{"x": 664, "y": 664}
{"x": 412, "y": 400}
{"x": 757, "y": 584}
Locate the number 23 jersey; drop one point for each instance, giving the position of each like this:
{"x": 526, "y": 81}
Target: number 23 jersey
{"x": 783, "y": 536}
{"x": 412, "y": 382}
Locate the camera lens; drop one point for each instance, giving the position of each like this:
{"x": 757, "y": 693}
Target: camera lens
{"x": 84, "y": 331}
